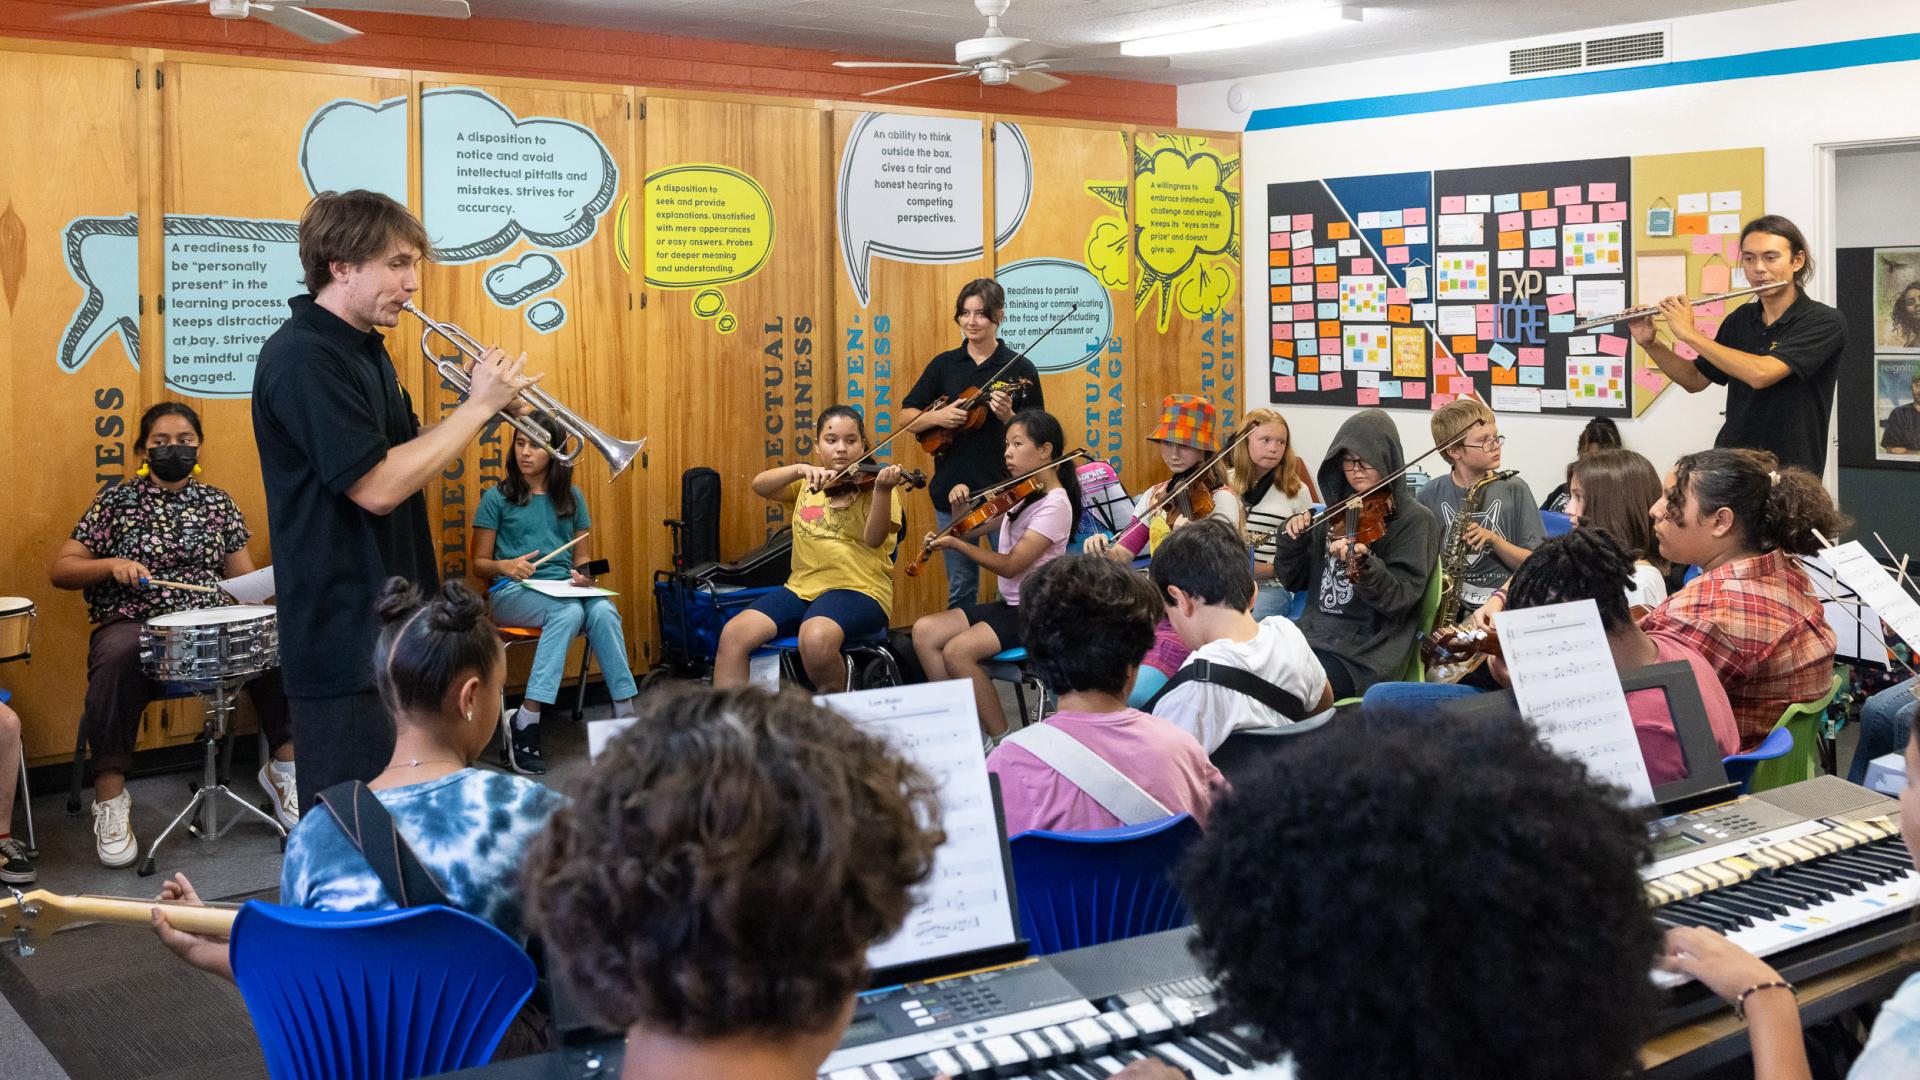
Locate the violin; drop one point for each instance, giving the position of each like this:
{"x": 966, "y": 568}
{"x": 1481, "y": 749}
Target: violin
{"x": 977, "y": 401}
{"x": 1000, "y": 501}
{"x": 1362, "y": 520}
{"x": 1451, "y": 653}
{"x": 861, "y": 477}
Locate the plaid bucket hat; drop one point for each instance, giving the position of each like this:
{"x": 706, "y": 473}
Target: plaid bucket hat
{"x": 1188, "y": 420}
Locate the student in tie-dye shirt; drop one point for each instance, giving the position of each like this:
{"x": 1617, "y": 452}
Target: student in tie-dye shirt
{"x": 439, "y": 667}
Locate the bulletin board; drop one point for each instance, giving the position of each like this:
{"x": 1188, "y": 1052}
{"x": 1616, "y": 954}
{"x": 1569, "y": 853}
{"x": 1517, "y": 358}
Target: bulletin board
{"x": 1407, "y": 290}
{"x": 1879, "y": 410}
{"x": 1688, "y": 210}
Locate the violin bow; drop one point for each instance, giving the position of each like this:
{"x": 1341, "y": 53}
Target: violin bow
{"x": 1336, "y": 509}
{"x": 1005, "y": 484}
{"x": 1022, "y": 354}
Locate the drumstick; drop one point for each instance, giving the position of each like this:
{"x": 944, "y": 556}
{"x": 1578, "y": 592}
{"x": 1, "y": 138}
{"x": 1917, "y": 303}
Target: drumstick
{"x": 178, "y": 585}
{"x": 498, "y": 585}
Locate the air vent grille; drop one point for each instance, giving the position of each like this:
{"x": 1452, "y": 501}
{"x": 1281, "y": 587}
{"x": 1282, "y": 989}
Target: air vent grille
{"x": 1627, "y": 49}
{"x": 1632, "y": 48}
{"x": 1536, "y": 59}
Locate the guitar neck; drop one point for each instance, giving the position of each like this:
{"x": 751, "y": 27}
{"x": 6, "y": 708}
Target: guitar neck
{"x": 212, "y": 921}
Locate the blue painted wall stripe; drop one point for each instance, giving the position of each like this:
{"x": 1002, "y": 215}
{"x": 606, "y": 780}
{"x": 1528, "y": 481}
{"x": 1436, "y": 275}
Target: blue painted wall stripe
{"x": 1838, "y": 54}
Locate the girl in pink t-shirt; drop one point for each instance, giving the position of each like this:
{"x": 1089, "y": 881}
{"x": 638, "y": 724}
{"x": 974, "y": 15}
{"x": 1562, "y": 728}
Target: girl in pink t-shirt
{"x": 953, "y": 643}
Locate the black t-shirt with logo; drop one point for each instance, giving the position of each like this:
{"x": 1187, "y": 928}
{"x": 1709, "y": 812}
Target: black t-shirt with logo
{"x": 978, "y": 457}
{"x": 1790, "y": 417}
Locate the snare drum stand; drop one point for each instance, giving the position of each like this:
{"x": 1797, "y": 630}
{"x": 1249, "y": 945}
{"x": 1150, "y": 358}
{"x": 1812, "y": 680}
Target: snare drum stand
{"x": 206, "y": 797}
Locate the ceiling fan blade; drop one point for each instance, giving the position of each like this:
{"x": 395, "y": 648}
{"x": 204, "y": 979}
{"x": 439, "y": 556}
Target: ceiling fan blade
{"x": 899, "y": 64}
{"x": 1036, "y": 82}
{"x": 1110, "y": 64}
{"x": 439, "y": 9}
{"x": 315, "y": 28}
{"x": 121, "y": 9}
{"x": 918, "y": 82}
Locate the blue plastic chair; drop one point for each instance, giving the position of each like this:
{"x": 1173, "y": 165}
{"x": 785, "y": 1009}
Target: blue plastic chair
{"x": 1010, "y": 666}
{"x": 1555, "y": 523}
{"x": 376, "y": 995}
{"x": 26, "y": 796}
{"x": 872, "y": 648}
{"x": 1778, "y": 744}
{"x": 1086, "y": 888}
{"x": 1687, "y": 578}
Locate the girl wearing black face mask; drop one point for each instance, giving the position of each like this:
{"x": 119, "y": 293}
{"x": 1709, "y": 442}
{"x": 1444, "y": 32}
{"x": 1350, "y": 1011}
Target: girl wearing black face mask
{"x": 162, "y": 524}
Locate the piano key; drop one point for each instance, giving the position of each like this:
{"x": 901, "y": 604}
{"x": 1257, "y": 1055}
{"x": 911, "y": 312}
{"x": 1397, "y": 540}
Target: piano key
{"x": 848, "y": 1074}
{"x": 1123, "y": 1029}
{"x": 1217, "y": 1041}
{"x": 917, "y": 1068}
{"x": 884, "y": 1070}
{"x": 1713, "y": 903}
{"x": 1037, "y": 1046}
{"x": 1698, "y": 916}
{"x": 1193, "y": 1049}
{"x": 1004, "y": 1051}
{"x": 1753, "y": 909}
{"x": 1093, "y": 1036}
{"x": 1062, "y": 1043}
{"x": 1150, "y": 1019}
{"x": 1083, "y": 1070}
{"x": 974, "y": 1059}
{"x": 946, "y": 1062}
{"x": 1838, "y": 881}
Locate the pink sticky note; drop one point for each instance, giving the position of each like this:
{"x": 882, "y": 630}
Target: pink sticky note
{"x": 1396, "y": 296}
{"x": 1712, "y": 309}
{"x": 1283, "y": 331}
{"x": 1474, "y": 361}
{"x": 1453, "y": 204}
{"x": 1441, "y": 400}
{"x": 1707, "y": 244}
{"x": 1460, "y": 385}
{"x": 1303, "y": 312}
{"x": 1565, "y": 195}
{"x": 1363, "y": 395}
{"x": 1303, "y": 256}
{"x": 1330, "y": 381}
{"x": 1327, "y": 290}
{"x": 1413, "y": 215}
{"x": 1396, "y": 256}
{"x": 1543, "y": 258}
{"x": 1302, "y": 221}
{"x": 1709, "y": 327}
{"x": 1277, "y": 242}
{"x": 1483, "y": 313}
{"x": 1445, "y": 365}
{"x": 1717, "y": 278}
{"x": 1733, "y": 249}
{"x": 1329, "y": 346}
{"x": 1283, "y": 384}
{"x": 1559, "y": 303}
{"x": 1613, "y": 345}
{"x": 1413, "y": 390}
{"x": 1545, "y": 218}
{"x": 1303, "y": 275}
{"x": 1579, "y": 214}
{"x": 1513, "y": 222}
{"x": 1363, "y": 266}
{"x": 1649, "y": 379}
{"x": 1485, "y": 330}
{"x": 1613, "y": 211}
{"x": 1599, "y": 192}
{"x": 1532, "y": 356}
{"x": 1685, "y": 351}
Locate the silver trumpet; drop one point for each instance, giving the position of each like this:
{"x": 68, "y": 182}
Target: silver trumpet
{"x": 576, "y": 433}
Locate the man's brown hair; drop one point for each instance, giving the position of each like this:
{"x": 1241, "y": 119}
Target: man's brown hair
{"x": 352, "y": 227}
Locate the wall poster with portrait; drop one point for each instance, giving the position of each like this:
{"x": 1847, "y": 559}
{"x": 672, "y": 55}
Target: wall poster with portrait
{"x": 1879, "y": 391}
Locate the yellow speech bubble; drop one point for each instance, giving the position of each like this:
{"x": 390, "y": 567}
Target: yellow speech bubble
{"x": 1185, "y": 211}
{"x": 705, "y": 225}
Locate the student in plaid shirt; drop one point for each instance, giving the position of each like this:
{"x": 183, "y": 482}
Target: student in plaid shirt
{"x": 1751, "y": 613}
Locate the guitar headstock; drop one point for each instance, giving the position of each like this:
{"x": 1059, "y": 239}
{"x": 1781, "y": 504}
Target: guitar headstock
{"x": 32, "y": 917}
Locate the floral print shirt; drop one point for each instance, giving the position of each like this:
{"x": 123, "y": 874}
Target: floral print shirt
{"x": 183, "y": 535}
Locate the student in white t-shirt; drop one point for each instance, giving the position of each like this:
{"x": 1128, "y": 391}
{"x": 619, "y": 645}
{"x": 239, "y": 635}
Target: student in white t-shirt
{"x": 953, "y": 643}
{"x": 1205, "y": 582}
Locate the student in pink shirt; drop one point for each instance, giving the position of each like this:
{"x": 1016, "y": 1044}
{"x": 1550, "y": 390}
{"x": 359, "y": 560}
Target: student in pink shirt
{"x": 1589, "y": 564}
{"x": 1089, "y": 620}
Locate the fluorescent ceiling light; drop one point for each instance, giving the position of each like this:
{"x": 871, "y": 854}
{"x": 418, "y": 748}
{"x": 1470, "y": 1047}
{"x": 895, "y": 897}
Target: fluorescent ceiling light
{"x": 1242, "y": 34}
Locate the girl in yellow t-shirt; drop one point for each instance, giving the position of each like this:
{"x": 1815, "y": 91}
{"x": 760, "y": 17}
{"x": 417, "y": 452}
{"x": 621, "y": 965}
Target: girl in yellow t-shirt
{"x": 842, "y": 580}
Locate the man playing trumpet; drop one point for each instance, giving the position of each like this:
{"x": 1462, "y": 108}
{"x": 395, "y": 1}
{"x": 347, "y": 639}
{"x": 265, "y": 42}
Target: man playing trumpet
{"x": 345, "y": 460}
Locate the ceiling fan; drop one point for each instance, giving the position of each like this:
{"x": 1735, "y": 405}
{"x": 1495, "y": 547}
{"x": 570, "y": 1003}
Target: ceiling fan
{"x": 1001, "y": 60}
{"x": 293, "y": 16}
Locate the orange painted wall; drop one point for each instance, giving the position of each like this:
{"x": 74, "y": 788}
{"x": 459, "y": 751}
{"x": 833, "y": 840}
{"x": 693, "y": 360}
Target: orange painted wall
{"x": 550, "y": 51}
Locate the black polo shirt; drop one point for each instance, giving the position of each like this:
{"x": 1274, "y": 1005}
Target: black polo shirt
{"x": 978, "y": 456}
{"x": 327, "y": 406}
{"x": 1790, "y": 417}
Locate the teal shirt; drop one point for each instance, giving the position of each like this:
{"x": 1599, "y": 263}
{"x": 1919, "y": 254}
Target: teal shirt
{"x": 533, "y": 527}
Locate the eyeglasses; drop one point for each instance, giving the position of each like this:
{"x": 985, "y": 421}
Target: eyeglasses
{"x": 1487, "y": 444}
{"x": 1354, "y": 464}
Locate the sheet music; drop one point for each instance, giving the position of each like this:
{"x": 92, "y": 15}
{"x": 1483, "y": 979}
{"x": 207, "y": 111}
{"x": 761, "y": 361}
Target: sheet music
{"x": 254, "y": 588}
{"x": 1864, "y": 575}
{"x": 1856, "y": 629}
{"x": 1567, "y": 686}
{"x": 964, "y": 906}
{"x": 566, "y": 590}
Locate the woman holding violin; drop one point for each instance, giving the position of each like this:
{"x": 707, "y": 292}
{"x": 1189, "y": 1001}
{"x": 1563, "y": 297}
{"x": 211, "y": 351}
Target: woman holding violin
{"x": 960, "y": 409}
{"x": 1033, "y": 515}
{"x": 845, "y": 519}
{"x": 1368, "y": 558}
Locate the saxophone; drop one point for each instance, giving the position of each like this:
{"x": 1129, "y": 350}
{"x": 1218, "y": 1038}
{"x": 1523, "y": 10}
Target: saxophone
{"x": 1453, "y": 556}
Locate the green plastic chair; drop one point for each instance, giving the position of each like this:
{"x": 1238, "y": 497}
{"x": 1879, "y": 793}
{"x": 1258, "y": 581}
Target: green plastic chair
{"x": 1803, "y": 761}
{"x": 1416, "y": 671}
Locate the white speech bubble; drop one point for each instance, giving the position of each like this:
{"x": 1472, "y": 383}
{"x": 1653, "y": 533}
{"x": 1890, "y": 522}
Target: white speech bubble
{"x": 352, "y": 144}
{"x": 102, "y": 255}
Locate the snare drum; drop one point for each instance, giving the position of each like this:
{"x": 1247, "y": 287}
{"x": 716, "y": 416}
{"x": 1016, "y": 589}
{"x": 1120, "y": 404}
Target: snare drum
{"x": 16, "y": 628}
{"x": 210, "y": 644}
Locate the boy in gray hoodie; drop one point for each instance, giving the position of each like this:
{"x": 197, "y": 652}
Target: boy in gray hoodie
{"x": 1362, "y": 628}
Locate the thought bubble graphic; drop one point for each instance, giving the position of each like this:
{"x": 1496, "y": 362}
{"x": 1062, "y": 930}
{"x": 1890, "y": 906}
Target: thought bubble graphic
{"x": 227, "y": 283}
{"x": 491, "y": 177}
{"x": 1186, "y": 234}
{"x": 351, "y": 144}
{"x": 1040, "y": 291}
{"x": 102, "y": 256}
{"x": 909, "y": 191}
{"x": 511, "y": 284}
{"x": 546, "y": 316}
{"x": 705, "y": 225}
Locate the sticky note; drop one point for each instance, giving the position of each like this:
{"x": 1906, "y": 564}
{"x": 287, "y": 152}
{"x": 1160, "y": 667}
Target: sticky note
{"x": 1329, "y": 329}
{"x": 1578, "y": 214}
{"x": 1733, "y": 249}
{"x": 1327, "y": 272}
{"x": 1396, "y": 296}
{"x": 1339, "y": 230}
{"x": 1613, "y": 211}
{"x": 1723, "y": 224}
{"x": 1510, "y": 260}
{"x": 1559, "y": 303}
{"x": 1685, "y": 351}
{"x": 1303, "y": 239}
{"x": 1329, "y": 310}
{"x": 1283, "y": 384}
{"x": 1390, "y": 388}
{"x": 1533, "y": 200}
{"x": 1414, "y": 215}
{"x": 1613, "y": 345}
{"x": 1501, "y": 355}
{"x": 1485, "y": 330}
{"x": 1715, "y": 279}
{"x": 1693, "y": 202}
{"x": 1649, "y": 379}
{"x": 1366, "y": 395}
{"x": 1705, "y": 244}
{"x": 1453, "y": 204}
{"x": 1474, "y": 362}
{"x": 1347, "y": 248}
{"x": 1513, "y": 222}
{"x": 1277, "y": 242}
{"x": 1512, "y": 240}
{"x": 1399, "y": 313}
{"x": 1460, "y": 385}
{"x": 1483, "y": 313}
{"x": 1363, "y": 266}
{"x": 1310, "y": 382}
{"x": 1441, "y": 401}
{"x": 1368, "y": 220}
{"x": 1599, "y": 192}
{"x": 1543, "y": 258}
{"x": 1279, "y": 259}
{"x": 1543, "y": 237}
{"x": 1282, "y": 365}
{"x": 1396, "y": 256}
{"x": 1560, "y": 324}
{"x": 1564, "y": 195}
{"x": 1446, "y": 365}
{"x": 1413, "y": 390}
{"x": 1559, "y": 283}
{"x": 1416, "y": 235}
{"x": 1690, "y": 224}
{"x": 1283, "y": 335}
{"x": 1327, "y": 290}
{"x": 1532, "y": 356}
{"x": 1330, "y": 381}
{"x": 1309, "y": 347}
{"x": 1393, "y": 237}
{"x": 1533, "y": 376}
{"x": 1463, "y": 344}
{"x": 1712, "y": 309}
{"x": 1507, "y": 202}
{"x": 1503, "y": 377}
{"x": 1304, "y": 312}
{"x": 1302, "y": 221}
{"x": 1545, "y": 218}
{"x": 1330, "y": 346}
{"x": 1389, "y": 219}
{"x": 1325, "y": 256}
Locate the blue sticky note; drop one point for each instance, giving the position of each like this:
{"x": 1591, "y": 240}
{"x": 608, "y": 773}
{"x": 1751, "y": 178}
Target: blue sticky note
{"x": 1329, "y": 309}
{"x": 1307, "y": 346}
{"x": 1282, "y": 366}
{"x": 1390, "y": 219}
{"x": 1389, "y": 388}
{"x": 1533, "y": 376}
{"x": 1506, "y": 204}
{"x": 1323, "y": 256}
{"x": 1280, "y": 275}
{"x": 1309, "y": 382}
{"x": 1543, "y": 237}
{"x": 1560, "y": 324}
{"x": 1502, "y": 355}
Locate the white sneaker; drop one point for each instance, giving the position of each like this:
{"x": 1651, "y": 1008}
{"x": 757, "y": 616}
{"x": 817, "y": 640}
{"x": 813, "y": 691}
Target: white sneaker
{"x": 280, "y": 787}
{"x": 113, "y": 838}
